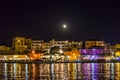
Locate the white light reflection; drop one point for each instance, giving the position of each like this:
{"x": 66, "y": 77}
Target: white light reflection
{"x": 33, "y": 71}
{"x": 75, "y": 71}
{"x": 93, "y": 71}
{"x": 5, "y": 70}
{"x": 79, "y": 70}
{"x": 112, "y": 71}
{"x": 52, "y": 71}
{"x": 14, "y": 65}
{"x": 26, "y": 72}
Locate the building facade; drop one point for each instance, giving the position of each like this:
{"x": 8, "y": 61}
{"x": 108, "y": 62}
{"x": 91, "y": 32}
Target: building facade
{"x": 4, "y": 48}
{"x": 94, "y": 42}
{"x": 65, "y": 45}
{"x": 37, "y": 44}
{"x": 20, "y": 44}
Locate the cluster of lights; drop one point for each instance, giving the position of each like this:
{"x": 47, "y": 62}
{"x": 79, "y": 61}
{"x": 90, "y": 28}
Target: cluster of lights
{"x": 93, "y": 51}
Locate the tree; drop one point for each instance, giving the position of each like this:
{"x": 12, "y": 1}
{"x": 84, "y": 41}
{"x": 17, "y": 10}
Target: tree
{"x": 54, "y": 50}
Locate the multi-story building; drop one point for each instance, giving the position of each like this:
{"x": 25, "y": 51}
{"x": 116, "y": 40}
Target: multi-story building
{"x": 94, "y": 42}
{"x": 4, "y": 48}
{"x": 61, "y": 44}
{"x": 37, "y": 44}
{"x": 117, "y": 46}
{"x": 66, "y": 44}
{"x": 20, "y": 44}
{"x": 74, "y": 44}
{"x": 46, "y": 46}
{"x": 117, "y": 50}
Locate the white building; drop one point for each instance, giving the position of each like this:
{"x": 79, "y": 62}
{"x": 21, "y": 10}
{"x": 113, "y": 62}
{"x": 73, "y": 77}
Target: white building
{"x": 37, "y": 44}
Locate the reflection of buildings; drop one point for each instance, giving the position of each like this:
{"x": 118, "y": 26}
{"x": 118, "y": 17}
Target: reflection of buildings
{"x": 117, "y": 69}
{"x": 44, "y": 72}
{"x": 33, "y": 71}
{"x": 91, "y": 71}
{"x": 60, "y": 71}
{"x": 73, "y": 71}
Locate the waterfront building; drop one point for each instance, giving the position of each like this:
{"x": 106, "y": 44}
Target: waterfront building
{"x": 94, "y": 42}
{"x": 65, "y": 45}
{"x": 95, "y": 54}
{"x": 96, "y": 49}
{"x": 73, "y": 54}
{"x": 117, "y": 46}
{"x": 20, "y": 44}
{"x": 40, "y": 46}
{"x": 117, "y": 50}
{"x": 75, "y": 44}
{"x": 4, "y": 48}
{"x": 61, "y": 44}
{"x": 37, "y": 44}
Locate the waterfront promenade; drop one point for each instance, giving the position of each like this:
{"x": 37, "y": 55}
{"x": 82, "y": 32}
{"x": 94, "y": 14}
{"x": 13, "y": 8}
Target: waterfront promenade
{"x": 49, "y": 62}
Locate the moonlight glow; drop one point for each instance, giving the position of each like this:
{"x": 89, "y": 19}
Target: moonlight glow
{"x": 64, "y": 26}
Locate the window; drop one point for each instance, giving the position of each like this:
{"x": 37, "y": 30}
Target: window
{"x": 21, "y": 42}
{"x": 87, "y": 43}
{"x": 18, "y": 43}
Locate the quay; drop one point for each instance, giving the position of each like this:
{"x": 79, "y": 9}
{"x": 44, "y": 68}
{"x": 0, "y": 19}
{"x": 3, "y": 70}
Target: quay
{"x": 49, "y": 62}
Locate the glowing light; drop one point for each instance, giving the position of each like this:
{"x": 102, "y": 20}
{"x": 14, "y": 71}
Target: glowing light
{"x": 93, "y": 51}
{"x": 18, "y": 40}
{"x": 68, "y": 56}
{"x": 117, "y": 53}
{"x": 64, "y": 26}
{"x": 61, "y": 51}
{"x": 33, "y": 51}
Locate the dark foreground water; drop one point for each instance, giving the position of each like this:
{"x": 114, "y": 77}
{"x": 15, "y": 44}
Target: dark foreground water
{"x": 60, "y": 71}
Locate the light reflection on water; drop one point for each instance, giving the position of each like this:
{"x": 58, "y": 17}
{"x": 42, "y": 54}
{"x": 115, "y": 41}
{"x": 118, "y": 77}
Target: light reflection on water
{"x": 60, "y": 71}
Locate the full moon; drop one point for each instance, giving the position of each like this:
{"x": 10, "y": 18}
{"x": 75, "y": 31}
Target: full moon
{"x": 64, "y": 26}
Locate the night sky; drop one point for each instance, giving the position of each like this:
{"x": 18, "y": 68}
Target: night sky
{"x": 43, "y": 19}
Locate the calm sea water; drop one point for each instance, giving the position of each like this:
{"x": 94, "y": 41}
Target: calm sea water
{"x": 60, "y": 71}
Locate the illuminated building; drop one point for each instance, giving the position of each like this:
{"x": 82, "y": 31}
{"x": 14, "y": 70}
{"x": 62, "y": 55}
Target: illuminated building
{"x": 117, "y": 50}
{"x": 117, "y": 47}
{"x": 73, "y": 54}
{"x": 4, "y": 48}
{"x": 61, "y": 44}
{"x": 20, "y": 44}
{"x": 66, "y": 44}
{"x": 40, "y": 45}
{"x": 37, "y": 44}
{"x": 34, "y": 55}
{"x": 46, "y": 46}
{"x": 96, "y": 54}
{"x": 94, "y": 49}
{"x": 94, "y": 42}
